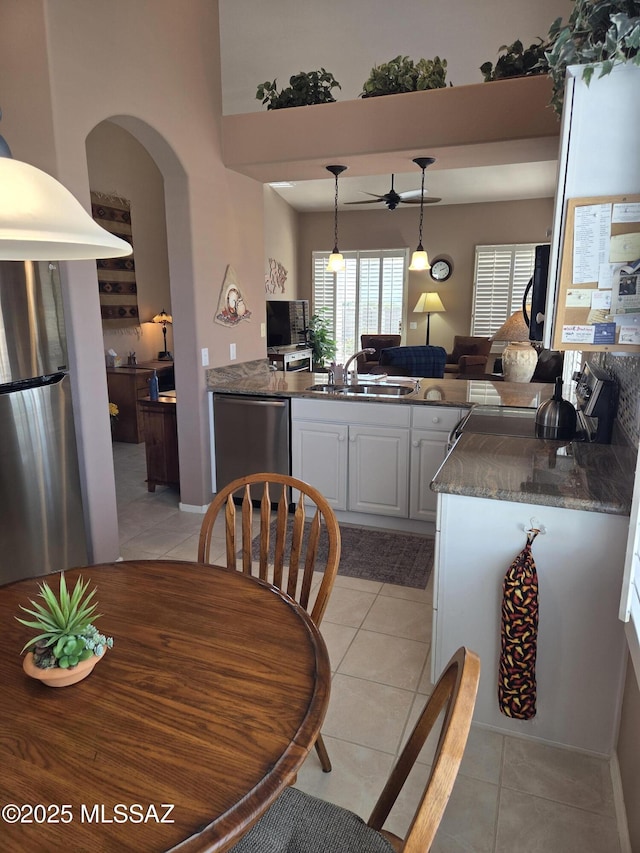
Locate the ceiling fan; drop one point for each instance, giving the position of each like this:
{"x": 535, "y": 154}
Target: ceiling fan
{"x": 392, "y": 199}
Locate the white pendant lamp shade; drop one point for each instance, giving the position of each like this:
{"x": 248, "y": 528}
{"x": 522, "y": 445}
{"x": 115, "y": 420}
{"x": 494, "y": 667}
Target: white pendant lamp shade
{"x": 336, "y": 261}
{"x": 420, "y": 259}
{"x": 40, "y": 220}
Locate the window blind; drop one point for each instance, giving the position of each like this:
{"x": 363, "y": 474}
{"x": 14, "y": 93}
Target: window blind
{"x": 366, "y": 298}
{"x": 501, "y": 275}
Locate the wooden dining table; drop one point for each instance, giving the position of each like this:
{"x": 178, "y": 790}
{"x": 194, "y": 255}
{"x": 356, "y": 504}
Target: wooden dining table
{"x": 183, "y": 734}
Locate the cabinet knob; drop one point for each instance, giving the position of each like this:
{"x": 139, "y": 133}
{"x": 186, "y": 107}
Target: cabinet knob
{"x": 435, "y": 419}
{"x": 341, "y": 438}
{"x": 415, "y": 443}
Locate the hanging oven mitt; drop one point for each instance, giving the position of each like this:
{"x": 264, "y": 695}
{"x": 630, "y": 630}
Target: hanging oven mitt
{"x": 519, "y": 636}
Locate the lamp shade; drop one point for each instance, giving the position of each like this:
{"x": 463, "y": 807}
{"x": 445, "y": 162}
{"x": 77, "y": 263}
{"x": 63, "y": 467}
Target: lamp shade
{"x": 419, "y": 261}
{"x": 163, "y": 317}
{"x": 41, "y": 220}
{"x": 336, "y": 262}
{"x": 513, "y": 329}
{"x": 430, "y": 303}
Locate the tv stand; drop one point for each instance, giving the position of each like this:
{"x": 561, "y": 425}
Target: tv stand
{"x": 293, "y": 358}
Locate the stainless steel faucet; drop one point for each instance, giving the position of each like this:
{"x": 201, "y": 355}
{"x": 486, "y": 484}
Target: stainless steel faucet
{"x": 365, "y": 351}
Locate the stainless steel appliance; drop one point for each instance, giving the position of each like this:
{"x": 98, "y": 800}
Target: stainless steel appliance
{"x": 41, "y": 524}
{"x": 251, "y": 435}
{"x": 596, "y": 402}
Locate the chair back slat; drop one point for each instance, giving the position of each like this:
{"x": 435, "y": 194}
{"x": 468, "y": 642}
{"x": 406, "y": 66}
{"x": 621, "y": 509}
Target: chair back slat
{"x": 247, "y": 526}
{"x": 295, "y": 551}
{"x": 281, "y": 539}
{"x": 230, "y": 532}
{"x": 310, "y": 560}
{"x": 265, "y": 517}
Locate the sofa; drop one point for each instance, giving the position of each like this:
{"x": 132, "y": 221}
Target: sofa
{"x": 424, "y": 361}
{"x": 366, "y": 363}
{"x": 469, "y": 356}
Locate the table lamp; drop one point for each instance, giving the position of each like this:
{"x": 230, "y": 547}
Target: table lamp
{"x": 164, "y": 318}
{"x": 429, "y": 303}
{"x": 519, "y": 358}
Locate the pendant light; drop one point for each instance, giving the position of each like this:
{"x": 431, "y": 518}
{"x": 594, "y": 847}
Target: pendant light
{"x": 420, "y": 259}
{"x": 40, "y": 220}
{"x": 336, "y": 261}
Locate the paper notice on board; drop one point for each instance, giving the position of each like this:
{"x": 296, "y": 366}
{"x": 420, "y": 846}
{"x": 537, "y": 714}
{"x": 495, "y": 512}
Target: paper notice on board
{"x": 578, "y": 297}
{"x": 629, "y": 335}
{"x": 625, "y": 292}
{"x": 578, "y": 334}
{"x": 626, "y": 212}
{"x": 600, "y": 299}
{"x": 605, "y": 276}
{"x": 591, "y": 234}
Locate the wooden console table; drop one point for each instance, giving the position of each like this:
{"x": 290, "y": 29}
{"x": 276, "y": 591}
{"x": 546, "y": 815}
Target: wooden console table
{"x": 127, "y": 385}
{"x": 291, "y": 358}
{"x": 161, "y": 441}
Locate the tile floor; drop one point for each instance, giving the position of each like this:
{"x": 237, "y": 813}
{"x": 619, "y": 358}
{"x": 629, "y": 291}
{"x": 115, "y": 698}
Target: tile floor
{"x": 511, "y": 795}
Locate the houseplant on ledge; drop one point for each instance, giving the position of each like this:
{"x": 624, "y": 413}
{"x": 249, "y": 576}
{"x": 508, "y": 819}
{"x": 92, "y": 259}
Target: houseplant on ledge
{"x": 304, "y": 89}
{"x": 404, "y": 75}
{"x": 67, "y": 646}
{"x": 598, "y": 32}
{"x": 517, "y": 61}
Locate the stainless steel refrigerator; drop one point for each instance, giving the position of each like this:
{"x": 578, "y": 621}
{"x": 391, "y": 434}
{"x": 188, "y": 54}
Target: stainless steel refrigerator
{"x": 41, "y": 516}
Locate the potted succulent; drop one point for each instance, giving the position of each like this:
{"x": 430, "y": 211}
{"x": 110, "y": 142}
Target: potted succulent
{"x": 319, "y": 336}
{"x": 603, "y": 32}
{"x": 67, "y": 646}
{"x": 404, "y": 75}
{"x": 517, "y": 61}
{"x": 304, "y": 89}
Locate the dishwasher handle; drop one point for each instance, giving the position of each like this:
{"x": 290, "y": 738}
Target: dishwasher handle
{"x": 248, "y": 401}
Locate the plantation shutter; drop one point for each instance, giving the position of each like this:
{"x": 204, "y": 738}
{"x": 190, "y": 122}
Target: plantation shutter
{"x": 500, "y": 278}
{"x": 366, "y": 298}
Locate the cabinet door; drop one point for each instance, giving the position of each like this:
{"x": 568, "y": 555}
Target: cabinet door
{"x": 428, "y": 449}
{"x": 319, "y": 457}
{"x": 379, "y": 470}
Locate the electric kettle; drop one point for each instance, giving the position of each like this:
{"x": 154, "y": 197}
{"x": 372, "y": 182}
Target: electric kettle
{"x": 556, "y": 418}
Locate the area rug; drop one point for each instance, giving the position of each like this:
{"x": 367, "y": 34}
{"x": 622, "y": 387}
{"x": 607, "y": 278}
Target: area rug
{"x": 405, "y": 559}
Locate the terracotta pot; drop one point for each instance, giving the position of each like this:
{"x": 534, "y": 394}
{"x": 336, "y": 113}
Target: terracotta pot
{"x": 57, "y": 677}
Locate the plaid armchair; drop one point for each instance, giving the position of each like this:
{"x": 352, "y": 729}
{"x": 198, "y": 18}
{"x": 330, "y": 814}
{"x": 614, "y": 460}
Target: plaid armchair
{"x": 423, "y": 361}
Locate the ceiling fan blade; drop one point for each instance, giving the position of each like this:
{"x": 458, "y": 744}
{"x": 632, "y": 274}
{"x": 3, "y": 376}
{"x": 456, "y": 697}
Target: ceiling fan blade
{"x": 366, "y": 201}
{"x": 427, "y": 200}
{"x": 411, "y": 194}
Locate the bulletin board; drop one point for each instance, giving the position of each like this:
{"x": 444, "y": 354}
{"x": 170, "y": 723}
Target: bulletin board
{"x": 598, "y": 296}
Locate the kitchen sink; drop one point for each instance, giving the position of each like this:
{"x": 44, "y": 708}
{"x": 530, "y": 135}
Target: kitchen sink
{"x": 368, "y": 389}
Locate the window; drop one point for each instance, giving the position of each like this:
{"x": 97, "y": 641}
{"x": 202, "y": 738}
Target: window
{"x": 500, "y": 278}
{"x": 366, "y": 298}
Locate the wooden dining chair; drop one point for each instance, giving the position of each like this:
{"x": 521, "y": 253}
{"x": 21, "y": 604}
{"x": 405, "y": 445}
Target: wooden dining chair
{"x": 291, "y": 547}
{"x": 300, "y": 823}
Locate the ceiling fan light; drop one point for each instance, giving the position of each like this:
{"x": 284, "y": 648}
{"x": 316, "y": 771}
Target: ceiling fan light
{"x": 336, "y": 262}
{"x": 419, "y": 261}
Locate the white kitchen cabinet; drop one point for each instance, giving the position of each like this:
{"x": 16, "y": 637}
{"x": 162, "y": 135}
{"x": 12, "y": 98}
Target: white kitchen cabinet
{"x": 319, "y": 457}
{"x": 356, "y": 454}
{"x": 580, "y": 652}
{"x": 430, "y": 430}
{"x": 378, "y": 477}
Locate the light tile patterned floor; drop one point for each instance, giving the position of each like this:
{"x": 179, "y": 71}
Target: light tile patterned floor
{"x": 511, "y": 795}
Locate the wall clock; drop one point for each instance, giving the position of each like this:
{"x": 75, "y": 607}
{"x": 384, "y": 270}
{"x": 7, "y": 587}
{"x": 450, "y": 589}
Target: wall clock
{"x": 441, "y": 269}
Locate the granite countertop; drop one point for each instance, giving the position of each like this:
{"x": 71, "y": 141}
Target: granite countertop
{"x": 572, "y": 475}
{"x": 255, "y": 378}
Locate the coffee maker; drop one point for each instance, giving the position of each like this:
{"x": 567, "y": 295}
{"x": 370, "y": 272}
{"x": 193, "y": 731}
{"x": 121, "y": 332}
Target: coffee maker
{"x": 596, "y": 402}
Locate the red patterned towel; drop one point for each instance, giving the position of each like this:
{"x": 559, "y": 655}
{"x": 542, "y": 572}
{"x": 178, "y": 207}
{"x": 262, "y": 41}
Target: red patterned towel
{"x": 519, "y": 637}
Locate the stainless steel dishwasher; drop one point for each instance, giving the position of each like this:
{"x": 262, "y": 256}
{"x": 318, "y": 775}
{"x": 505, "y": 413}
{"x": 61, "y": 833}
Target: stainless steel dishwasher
{"x": 251, "y": 435}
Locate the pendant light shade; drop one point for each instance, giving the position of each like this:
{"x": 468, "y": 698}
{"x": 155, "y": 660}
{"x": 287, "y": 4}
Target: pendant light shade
{"x": 336, "y": 261}
{"x": 420, "y": 259}
{"x": 41, "y": 221}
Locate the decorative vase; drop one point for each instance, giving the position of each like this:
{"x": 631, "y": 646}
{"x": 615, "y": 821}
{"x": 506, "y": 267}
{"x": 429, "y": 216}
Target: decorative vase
{"x": 519, "y": 360}
{"x": 58, "y": 677}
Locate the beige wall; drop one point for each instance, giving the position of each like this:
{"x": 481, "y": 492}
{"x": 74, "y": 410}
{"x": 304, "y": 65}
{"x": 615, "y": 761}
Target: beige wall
{"x": 451, "y": 230}
{"x": 281, "y": 241}
{"x": 119, "y": 165}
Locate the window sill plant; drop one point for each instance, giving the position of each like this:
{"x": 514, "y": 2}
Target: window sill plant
{"x": 304, "y": 89}
{"x": 67, "y": 646}
{"x": 403, "y": 75}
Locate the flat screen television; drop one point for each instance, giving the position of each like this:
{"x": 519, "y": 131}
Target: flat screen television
{"x": 287, "y": 322}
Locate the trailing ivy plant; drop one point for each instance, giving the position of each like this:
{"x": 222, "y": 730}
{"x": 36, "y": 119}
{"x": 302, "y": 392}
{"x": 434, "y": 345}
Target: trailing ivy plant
{"x": 604, "y": 32}
{"x": 404, "y": 75}
{"x": 304, "y": 89}
{"x": 517, "y": 61}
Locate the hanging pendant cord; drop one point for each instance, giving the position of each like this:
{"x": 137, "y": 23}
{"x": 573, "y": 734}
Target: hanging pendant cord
{"x": 335, "y": 219}
{"x": 420, "y": 248}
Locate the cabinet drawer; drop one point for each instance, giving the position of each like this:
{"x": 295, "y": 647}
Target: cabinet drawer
{"x": 348, "y": 412}
{"x": 441, "y": 418}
